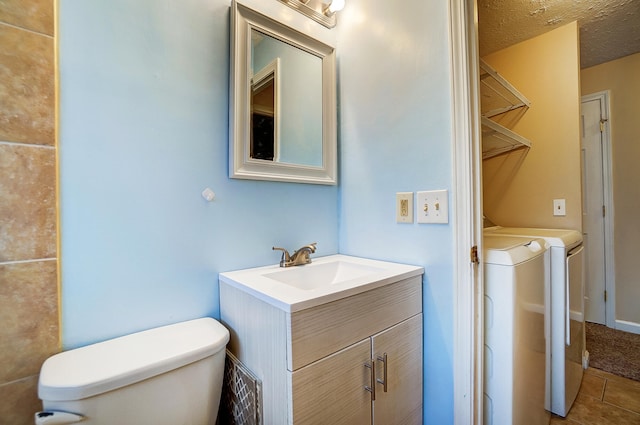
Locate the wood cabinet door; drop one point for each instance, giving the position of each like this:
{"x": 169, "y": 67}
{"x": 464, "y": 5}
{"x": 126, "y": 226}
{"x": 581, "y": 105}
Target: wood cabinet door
{"x": 402, "y": 401}
{"x": 331, "y": 390}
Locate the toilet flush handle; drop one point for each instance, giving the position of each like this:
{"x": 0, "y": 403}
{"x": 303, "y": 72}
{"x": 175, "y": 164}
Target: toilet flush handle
{"x": 57, "y": 418}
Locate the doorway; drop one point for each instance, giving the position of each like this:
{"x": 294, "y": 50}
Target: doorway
{"x": 597, "y": 209}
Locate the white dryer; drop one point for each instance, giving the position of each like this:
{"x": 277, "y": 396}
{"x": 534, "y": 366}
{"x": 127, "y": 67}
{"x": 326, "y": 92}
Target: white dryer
{"x": 516, "y": 278}
{"x": 568, "y": 354}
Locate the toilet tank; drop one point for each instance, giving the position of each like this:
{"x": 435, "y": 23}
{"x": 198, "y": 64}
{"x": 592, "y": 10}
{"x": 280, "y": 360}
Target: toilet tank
{"x": 168, "y": 375}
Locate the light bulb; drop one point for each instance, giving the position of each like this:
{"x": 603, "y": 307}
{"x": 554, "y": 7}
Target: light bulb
{"x": 336, "y": 5}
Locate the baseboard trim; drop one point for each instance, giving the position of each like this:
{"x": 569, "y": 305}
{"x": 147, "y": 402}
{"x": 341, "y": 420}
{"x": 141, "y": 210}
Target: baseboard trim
{"x": 623, "y": 325}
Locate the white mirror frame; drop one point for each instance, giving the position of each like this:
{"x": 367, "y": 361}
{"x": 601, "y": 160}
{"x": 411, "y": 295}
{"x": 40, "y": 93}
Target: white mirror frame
{"x": 266, "y": 17}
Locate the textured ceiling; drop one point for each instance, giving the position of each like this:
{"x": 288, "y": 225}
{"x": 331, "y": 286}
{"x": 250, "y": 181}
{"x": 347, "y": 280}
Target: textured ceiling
{"x": 609, "y": 29}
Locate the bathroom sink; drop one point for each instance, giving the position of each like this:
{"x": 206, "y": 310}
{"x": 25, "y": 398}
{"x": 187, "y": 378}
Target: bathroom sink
{"x": 315, "y": 276}
{"x": 326, "y": 279}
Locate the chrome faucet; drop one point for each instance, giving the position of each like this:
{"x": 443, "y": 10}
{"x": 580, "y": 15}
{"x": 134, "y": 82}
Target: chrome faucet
{"x": 298, "y": 258}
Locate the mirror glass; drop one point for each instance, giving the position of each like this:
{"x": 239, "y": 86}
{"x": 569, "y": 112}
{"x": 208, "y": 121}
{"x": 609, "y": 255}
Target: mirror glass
{"x": 297, "y": 137}
{"x": 283, "y": 102}
{"x": 264, "y": 132}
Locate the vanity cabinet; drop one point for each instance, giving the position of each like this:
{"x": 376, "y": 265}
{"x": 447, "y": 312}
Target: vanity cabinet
{"x": 333, "y": 389}
{"x": 324, "y": 364}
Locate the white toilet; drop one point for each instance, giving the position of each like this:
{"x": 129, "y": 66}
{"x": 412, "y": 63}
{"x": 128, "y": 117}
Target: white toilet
{"x": 168, "y": 375}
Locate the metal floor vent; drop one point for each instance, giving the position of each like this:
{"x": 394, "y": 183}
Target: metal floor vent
{"x": 241, "y": 402}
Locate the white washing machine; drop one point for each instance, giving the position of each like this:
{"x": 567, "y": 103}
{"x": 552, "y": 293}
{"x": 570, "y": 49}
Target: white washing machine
{"x": 568, "y": 354}
{"x": 516, "y": 283}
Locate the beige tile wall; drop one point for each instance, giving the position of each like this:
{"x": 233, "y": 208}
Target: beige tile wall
{"x": 29, "y": 328}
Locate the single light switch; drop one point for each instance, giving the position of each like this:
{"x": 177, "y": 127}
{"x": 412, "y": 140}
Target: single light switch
{"x": 559, "y": 207}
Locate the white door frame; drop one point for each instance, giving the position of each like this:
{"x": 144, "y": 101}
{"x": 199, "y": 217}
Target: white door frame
{"x": 607, "y": 182}
{"x": 467, "y": 213}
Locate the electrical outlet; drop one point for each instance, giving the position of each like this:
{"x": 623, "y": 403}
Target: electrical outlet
{"x": 559, "y": 207}
{"x": 432, "y": 206}
{"x": 404, "y": 207}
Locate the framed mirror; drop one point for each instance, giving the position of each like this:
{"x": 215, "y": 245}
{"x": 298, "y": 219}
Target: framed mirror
{"x": 282, "y": 99}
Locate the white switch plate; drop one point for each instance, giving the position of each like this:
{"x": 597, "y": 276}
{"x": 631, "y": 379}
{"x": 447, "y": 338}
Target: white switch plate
{"x": 559, "y": 207}
{"x": 404, "y": 207}
{"x": 432, "y": 206}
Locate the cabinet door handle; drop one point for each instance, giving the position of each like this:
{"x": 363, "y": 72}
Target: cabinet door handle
{"x": 372, "y": 386}
{"x": 383, "y": 381}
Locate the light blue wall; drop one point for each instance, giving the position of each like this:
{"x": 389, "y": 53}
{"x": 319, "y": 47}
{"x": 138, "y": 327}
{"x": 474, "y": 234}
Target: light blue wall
{"x": 143, "y": 130}
{"x": 394, "y": 96}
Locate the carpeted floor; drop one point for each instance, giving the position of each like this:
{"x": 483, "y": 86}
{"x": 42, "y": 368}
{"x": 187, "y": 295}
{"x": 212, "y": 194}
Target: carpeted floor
{"x": 613, "y": 351}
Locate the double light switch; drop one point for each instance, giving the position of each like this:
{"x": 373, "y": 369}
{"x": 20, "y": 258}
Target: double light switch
{"x": 432, "y": 206}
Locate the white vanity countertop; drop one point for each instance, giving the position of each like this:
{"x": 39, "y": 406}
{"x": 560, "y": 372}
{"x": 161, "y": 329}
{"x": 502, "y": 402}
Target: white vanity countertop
{"x": 300, "y": 287}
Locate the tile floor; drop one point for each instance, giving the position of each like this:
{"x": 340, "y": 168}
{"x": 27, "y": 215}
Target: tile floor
{"x": 604, "y": 399}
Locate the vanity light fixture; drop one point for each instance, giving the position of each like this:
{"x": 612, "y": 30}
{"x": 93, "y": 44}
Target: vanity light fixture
{"x": 318, "y": 10}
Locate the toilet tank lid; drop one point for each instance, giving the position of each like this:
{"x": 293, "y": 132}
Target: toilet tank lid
{"x": 108, "y": 365}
